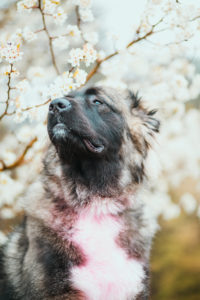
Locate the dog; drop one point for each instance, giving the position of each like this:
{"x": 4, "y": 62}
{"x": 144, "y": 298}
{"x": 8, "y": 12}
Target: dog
{"x": 85, "y": 234}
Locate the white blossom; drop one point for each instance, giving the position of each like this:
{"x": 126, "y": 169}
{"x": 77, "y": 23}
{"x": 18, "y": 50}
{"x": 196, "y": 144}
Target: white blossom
{"x": 83, "y": 3}
{"x": 5, "y": 70}
{"x": 35, "y": 72}
{"x": 73, "y": 31}
{"x": 60, "y": 16}
{"x": 24, "y": 134}
{"x": 7, "y": 194}
{"x": 86, "y": 15}
{"x": 89, "y": 53}
{"x": 26, "y": 5}
{"x": 61, "y": 42}
{"x": 91, "y": 37}
{"x": 172, "y": 211}
{"x": 7, "y": 213}
{"x": 49, "y": 6}
{"x": 29, "y": 35}
{"x": 101, "y": 55}
{"x": 80, "y": 76}
{"x": 4, "y": 179}
{"x": 62, "y": 85}
{"x": 20, "y": 115}
{"x": 188, "y": 203}
{"x": 23, "y": 85}
{"x": 10, "y": 51}
{"x": 8, "y": 157}
{"x": 76, "y": 55}
{"x": 15, "y": 72}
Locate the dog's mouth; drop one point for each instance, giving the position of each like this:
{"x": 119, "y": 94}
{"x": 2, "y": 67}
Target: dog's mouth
{"x": 62, "y": 132}
{"x": 93, "y": 147}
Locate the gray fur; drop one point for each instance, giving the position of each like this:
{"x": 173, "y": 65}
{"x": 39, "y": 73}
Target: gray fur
{"x": 39, "y": 255}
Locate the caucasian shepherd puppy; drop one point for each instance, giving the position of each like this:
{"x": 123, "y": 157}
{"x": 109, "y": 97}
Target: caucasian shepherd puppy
{"x": 85, "y": 235}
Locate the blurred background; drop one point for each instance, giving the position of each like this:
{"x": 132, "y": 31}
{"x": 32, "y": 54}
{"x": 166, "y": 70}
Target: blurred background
{"x": 48, "y": 48}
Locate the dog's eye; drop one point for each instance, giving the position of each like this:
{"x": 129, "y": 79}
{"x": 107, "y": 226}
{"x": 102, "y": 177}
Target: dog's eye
{"x": 97, "y": 102}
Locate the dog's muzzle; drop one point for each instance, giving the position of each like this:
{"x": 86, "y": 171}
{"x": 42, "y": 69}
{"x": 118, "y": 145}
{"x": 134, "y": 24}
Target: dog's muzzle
{"x": 60, "y": 105}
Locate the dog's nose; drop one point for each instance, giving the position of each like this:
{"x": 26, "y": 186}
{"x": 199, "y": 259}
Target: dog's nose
{"x": 60, "y": 105}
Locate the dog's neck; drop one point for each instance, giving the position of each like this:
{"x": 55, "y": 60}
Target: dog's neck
{"x": 61, "y": 197}
{"x": 99, "y": 176}
{"x": 85, "y": 180}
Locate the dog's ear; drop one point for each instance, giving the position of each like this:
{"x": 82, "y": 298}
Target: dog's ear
{"x": 142, "y": 125}
{"x": 135, "y": 99}
{"x": 151, "y": 121}
{"x": 147, "y": 116}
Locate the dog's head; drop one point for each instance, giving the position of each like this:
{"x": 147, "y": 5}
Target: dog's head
{"x": 85, "y": 124}
{"x": 102, "y": 125}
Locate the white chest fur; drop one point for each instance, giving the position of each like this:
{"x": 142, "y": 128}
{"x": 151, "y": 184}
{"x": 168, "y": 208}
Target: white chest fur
{"x": 108, "y": 273}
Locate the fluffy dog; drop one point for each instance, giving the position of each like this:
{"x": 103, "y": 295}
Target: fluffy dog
{"x": 85, "y": 235}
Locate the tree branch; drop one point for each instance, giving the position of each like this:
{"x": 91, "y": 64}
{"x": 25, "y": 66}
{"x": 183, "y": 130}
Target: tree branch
{"x": 8, "y": 93}
{"x": 30, "y": 107}
{"x": 78, "y": 18}
{"x": 49, "y": 38}
{"x": 36, "y": 106}
{"x": 99, "y": 62}
{"x": 20, "y": 159}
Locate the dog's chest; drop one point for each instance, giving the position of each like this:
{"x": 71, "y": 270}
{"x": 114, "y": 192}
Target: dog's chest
{"x": 107, "y": 274}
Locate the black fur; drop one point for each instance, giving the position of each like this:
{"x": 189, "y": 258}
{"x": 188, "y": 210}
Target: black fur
{"x": 98, "y": 123}
{"x": 135, "y": 99}
{"x": 98, "y": 152}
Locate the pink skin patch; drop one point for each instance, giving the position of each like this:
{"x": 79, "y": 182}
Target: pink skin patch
{"x": 108, "y": 273}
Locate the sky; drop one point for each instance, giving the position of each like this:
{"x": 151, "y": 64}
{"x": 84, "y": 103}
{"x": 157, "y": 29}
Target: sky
{"x": 119, "y": 18}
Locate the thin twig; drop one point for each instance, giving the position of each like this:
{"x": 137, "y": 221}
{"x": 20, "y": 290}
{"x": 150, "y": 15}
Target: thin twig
{"x": 19, "y": 160}
{"x": 195, "y": 18}
{"x": 30, "y": 107}
{"x": 32, "y": 7}
{"x": 49, "y": 38}
{"x": 36, "y": 106}
{"x": 8, "y": 93}
{"x": 39, "y": 30}
{"x": 99, "y": 62}
{"x": 78, "y": 18}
